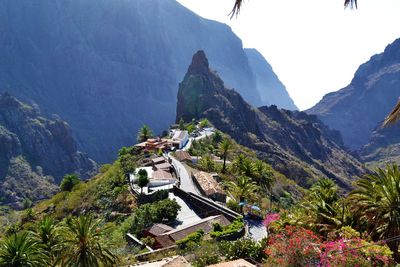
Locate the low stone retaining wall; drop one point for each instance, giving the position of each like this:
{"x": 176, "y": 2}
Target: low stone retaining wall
{"x": 205, "y": 207}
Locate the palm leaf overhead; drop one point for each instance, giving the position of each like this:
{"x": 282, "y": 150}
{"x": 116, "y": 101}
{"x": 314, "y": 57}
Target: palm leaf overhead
{"x": 394, "y": 116}
{"x": 238, "y": 5}
{"x": 351, "y": 3}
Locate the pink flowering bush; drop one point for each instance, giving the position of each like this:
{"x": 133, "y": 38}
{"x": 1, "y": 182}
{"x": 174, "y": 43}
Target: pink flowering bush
{"x": 296, "y": 246}
{"x": 293, "y": 246}
{"x": 272, "y": 217}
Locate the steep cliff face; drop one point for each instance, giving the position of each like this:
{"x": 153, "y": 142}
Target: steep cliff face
{"x": 296, "y": 144}
{"x": 271, "y": 89}
{"x": 383, "y": 147}
{"x": 357, "y": 109}
{"x": 35, "y": 152}
{"x": 108, "y": 67}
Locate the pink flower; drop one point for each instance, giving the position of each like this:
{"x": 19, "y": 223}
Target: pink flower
{"x": 270, "y": 218}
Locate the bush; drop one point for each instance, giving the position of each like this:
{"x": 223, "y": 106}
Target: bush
{"x": 242, "y": 249}
{"x": 191, "y": 239}
{"x": 148, "y": 214}
{"x": 68, "y": 182}
{"x": 232, "y": 228}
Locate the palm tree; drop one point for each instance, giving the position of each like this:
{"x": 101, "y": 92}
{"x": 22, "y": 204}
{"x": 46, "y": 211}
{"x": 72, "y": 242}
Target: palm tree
{"x": 48, "y": 235}
{"x": 377, "y": 200}
{"x": 144, "y": 133}
{"x": 325, "y": 189}
{"x": 207, "y": 163}
{"x": 224, "y": 148}
{"x": 238, "y": 5}
{"x": 241, "y": 189}
{"x": 22, "y": 250}
{"x": 248, "y": 168}
{"x": 83, "y": 246}
{"x": 238, "y": 163}
{"x": 264, "y": 177}
{"x": 394, "y": 116}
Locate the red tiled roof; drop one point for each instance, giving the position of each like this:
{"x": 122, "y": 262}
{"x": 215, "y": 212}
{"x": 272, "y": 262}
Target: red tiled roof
{"x": 208, "y": 183}
{"x": 163, "y": 166}
{"x": 160, "y": 174}
{"x": 183, "y": 155}
{"x": 158, "y": 229}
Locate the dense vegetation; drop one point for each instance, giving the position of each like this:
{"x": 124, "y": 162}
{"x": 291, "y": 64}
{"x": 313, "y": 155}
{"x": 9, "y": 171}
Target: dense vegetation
{"x": 321, "y": 225}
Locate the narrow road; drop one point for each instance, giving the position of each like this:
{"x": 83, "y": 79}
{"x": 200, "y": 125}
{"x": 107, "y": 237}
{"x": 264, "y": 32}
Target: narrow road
{"x": 187, "y": 183}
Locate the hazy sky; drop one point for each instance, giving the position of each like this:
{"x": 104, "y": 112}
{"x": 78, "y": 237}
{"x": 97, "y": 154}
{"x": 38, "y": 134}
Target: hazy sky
{"x": 314, "y": 46}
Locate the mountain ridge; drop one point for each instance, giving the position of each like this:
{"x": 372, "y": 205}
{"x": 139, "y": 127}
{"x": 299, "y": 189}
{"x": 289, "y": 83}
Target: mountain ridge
{"x": 294, "y": 143}
{"x": 35, "y": 153}
{"x": 111, "y": 70}
{"x": 358, "y": 109}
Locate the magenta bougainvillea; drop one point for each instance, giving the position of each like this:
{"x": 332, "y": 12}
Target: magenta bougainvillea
{"x": 296, "y": 246}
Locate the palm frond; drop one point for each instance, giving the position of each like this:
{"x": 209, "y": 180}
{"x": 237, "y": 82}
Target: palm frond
{"x": 350, "y": 3}
{"x": 394, "y": 116}
{"x": 236, "y": 8}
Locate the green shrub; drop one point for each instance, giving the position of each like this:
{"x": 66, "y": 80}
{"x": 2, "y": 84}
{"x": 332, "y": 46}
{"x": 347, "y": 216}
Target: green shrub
{"x": 242, "y": 249}
{"x": 68, "y": 182}
{"x": 232, "y": 228}
{"x": 193, "y": 238}
{"x": 148, "y": 214}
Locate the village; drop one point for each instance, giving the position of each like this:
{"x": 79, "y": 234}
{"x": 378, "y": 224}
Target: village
{"x": 170, "y": 168}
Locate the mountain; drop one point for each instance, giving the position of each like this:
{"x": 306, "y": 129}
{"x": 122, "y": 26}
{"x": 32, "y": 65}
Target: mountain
{"x": 296, "y": 144}
{"x": 271, "y": 89}
{"x": 35, "y": 153}
{"x": 108, "y": 67}
{"x": 358, "y": 109}
{"x": 383, "y": 147}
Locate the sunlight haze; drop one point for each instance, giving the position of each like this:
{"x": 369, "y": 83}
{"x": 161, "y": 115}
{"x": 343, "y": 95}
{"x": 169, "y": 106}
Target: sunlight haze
{"x": 313, "y": 46}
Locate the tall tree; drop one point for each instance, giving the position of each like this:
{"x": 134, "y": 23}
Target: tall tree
{"x": 142, "y": 179}
{"x": 377, "y": 199}
{"x": 68, "y": 182}
{"x": 83, "y": 244}
{"x": 48, "y": 234}
{"x": 182, "y": 125}
{"x": 144, "y": 133}
{"x": 264, "y": 177}
{"x": 224, "y": 147}
{"x": 22, "y": 249}
{"x": 241, "y": 189}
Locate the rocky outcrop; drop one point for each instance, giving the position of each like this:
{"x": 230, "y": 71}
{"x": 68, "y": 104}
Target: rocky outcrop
{"x": 358, "y": 109}
{"x": 35, "y": 152}
{"x": 296, "y": 144}
{"x": 108, "y": 67}
{"x": 271, "y": 89}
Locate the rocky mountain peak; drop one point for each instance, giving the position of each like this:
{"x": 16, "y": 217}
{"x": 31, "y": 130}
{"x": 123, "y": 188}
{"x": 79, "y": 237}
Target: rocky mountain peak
{"x": 294, "y": 143}
{"x": 199, "y": 64}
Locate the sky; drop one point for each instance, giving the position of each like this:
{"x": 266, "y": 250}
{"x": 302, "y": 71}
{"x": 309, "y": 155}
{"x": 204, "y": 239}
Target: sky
{"x": 314, "y": 46}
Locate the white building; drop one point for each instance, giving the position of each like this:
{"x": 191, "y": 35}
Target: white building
{"x": 180, "y": 138}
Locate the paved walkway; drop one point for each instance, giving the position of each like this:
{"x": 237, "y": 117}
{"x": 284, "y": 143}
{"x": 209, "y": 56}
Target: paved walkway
{"x": 256, "y": 229}
{"x": 187, "y": 183}
{"x": 186, "y": 215}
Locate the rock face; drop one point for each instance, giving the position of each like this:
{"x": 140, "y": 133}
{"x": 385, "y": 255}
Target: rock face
{"x": 271, "y": 89}
{"x": 383, "y": 147}
{"x": 108, "y": 67}
{"x": 35, "y": 152}
{"x": 359, "y": 108}
{"x": 296, "y": 144}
